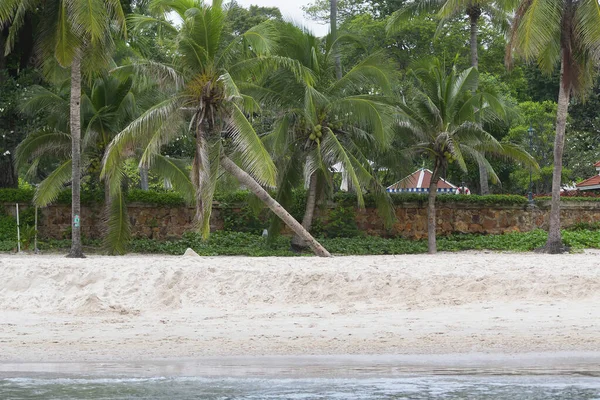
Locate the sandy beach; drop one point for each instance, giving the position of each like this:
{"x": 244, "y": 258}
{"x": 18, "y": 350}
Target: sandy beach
{"x": 158, "y": 307}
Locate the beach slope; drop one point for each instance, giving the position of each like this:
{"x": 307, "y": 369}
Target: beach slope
{"x": 158, "y": 307}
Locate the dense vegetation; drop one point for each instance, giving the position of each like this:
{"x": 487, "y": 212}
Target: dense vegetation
{"x": 180, "y": 101}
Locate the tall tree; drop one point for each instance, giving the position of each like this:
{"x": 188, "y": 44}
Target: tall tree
{"x": 69, "y": 32}
{"x": 554, "y": 32}
{"x": 498, "y": 10}
{"x": 323, "y": 122}
{"x": 441, "y": 121}
{"x": 207, "y": 68}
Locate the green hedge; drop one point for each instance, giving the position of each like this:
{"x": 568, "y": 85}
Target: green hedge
{"x": 16, "y": 195}
{"x": 247, "y": 244}
{"x": 242, "y": 197}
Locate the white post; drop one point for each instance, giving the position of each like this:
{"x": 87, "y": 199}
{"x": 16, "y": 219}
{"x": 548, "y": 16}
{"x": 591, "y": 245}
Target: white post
{"x": 18, "y": 231}
{"x": 35, "y": 248}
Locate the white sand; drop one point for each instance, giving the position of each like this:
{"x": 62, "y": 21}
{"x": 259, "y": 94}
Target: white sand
{"x": 147, "y": 307}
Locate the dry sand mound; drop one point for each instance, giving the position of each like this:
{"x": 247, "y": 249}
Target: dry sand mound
{"x": 139, "y": 284}
{"x": 111, "y": 308}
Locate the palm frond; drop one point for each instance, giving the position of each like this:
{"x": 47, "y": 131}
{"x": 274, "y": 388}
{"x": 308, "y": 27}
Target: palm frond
{"x": 49, "y": 189}
{"x": 118, "y": 228}
{"x": 254, "y": 157}
{"x": 41, "y": 143}
{"x": 177, "y": 172}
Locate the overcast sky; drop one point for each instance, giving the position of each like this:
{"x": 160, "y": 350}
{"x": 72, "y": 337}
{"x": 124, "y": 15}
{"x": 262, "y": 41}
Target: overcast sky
{"x": 291, "y": 10}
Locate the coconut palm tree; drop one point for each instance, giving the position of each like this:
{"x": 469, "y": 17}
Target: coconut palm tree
{"x": 325, "y": 122}
{"x": 208, "y": 104}
{"x": 566, "y": 33}
{"x": 107, "y": 106}
{"x": 498, "y": 11}
{"x": 443, "y": 120}
{"x": 74, "y": 33}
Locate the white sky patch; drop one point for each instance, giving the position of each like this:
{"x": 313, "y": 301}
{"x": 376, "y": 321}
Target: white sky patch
{"x": 291, "y": 11}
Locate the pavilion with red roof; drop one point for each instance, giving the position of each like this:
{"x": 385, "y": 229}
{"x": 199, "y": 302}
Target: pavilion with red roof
{"x": 592, "y": 183}
{"x": 418, "y": 182}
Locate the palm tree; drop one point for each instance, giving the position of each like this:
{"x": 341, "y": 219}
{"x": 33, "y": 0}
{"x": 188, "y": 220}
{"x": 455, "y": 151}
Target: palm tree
{"x": 70, "y": 31}
{"x": 208, "y": 104}
{"x": 498, "y": 11}
{"x": 443, "y": 119}
{"x": 107, "y": 107}
{"x": 325, "y": 122}
{"x": 553, "y": 32}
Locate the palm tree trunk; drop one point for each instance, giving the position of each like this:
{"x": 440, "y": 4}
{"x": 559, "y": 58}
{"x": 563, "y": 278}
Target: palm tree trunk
{"x": 75, "y": 126}
{"x": 431, "y": 219}
{"x": 245, "y": 179}
{"x": 483, "y": 179}
{"x": 200, "y": 171}
{"x": 554, "y": 244}
{"x": 144, "y": 178}
{"x": 474, "y": 13}
{"x": 333, "y": 28}
{"x": 311, "y": 201}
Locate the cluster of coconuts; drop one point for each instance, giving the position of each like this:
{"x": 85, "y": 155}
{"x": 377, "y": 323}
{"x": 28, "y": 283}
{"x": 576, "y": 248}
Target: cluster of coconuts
{"x": 449, "y": 156}
{"x": 316, "y": 134}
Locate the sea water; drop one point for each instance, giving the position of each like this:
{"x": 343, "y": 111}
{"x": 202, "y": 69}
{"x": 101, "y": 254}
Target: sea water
{"x": 296, "y": 379}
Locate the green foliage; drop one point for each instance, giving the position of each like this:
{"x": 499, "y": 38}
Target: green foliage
{"x": 243, "y": 219}
{"x": 219, "y": 243}
{"x": 167, "y": 199}
{"x": 16, "y": 195}
{"x": 341, "y": 223}
{"x": 246, "y": 244}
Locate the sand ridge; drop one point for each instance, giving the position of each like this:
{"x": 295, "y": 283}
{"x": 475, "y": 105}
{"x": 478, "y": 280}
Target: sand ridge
{"x": 133, "y": 307}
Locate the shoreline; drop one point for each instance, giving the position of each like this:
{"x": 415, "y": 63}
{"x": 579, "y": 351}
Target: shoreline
{"x": 135, "y": 308}
{"x": 585, "y": 364}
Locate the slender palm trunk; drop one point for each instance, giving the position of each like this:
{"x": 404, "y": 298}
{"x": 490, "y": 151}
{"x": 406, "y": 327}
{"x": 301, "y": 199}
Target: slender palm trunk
{"x": 200, "y": 171}
{"x": 554, "y": 244}
{"x": 333, "y": 28}
{"x": 483, "y": 179}
{"x": 75, "y": 125}
{"x": 311, "y": 202}
{"x": 144, "y": 185}
{"x": 474, "y": 12}
{"x": 431, "y": 219}
{"x": 244, "y": 178}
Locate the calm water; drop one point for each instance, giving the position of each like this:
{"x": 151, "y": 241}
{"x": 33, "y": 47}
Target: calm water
{"x": 301, "y": 378}
{"x": 447, "y": 387}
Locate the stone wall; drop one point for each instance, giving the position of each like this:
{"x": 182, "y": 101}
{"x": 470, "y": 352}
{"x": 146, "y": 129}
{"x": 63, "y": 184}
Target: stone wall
{"x": 411, "y": 222}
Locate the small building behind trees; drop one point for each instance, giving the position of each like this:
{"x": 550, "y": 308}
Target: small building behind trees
{"x": 418, "y": 182}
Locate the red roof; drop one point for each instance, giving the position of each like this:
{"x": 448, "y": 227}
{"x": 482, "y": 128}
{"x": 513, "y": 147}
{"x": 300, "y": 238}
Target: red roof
{"x": 597, "y": 164}
{"x": 420, "y": 179}
{"x": 593, "y": 181}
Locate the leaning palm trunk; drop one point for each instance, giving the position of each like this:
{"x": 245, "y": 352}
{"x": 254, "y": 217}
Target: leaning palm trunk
{"x": 75, "y": 125}
{"x": 554, "y": 244}
{"x": 311, "y": 202}
{"x": 431, "y": 219}
{"x": 245, "y": 179}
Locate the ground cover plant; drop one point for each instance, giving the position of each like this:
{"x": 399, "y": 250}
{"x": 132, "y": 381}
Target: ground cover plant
{"x": 250, "y": 244}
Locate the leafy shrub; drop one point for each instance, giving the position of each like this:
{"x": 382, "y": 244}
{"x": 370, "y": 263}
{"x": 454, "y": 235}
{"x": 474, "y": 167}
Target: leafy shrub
{"x": 244, "y": 220}
{"x": 341, "y": 223}
{"x": 16, "y": 195}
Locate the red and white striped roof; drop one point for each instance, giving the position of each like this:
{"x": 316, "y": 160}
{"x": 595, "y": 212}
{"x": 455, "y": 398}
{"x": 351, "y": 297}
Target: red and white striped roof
{"x": 419, "y": 181}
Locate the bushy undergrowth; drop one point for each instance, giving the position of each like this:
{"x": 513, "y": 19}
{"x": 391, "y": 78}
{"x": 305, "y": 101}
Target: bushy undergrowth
{"x": 246, "y": 244}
